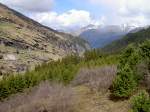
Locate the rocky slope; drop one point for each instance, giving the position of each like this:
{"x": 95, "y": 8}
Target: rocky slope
{"x": 25, "y": 43}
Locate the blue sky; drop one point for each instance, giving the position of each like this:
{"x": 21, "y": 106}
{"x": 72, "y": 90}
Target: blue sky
{"x": 70, "y": 14}
{"x": 96, "y": 11}
{"x": 64, "y": 5}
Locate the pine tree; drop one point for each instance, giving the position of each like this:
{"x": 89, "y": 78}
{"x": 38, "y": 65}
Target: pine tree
{"x": 125, "y": 83}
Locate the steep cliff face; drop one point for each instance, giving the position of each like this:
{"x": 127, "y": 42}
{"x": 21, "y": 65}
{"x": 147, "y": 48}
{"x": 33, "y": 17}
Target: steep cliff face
{"x": 25, "y": 43}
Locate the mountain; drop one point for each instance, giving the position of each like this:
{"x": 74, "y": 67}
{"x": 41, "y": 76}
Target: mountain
{"x": 77, "y": 32}
{"x": 100, "y": 36}
{"x": 130, "y": 38}
{"x": 25, "y": 42}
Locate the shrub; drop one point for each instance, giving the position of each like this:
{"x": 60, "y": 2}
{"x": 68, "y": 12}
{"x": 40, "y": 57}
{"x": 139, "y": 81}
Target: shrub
{"x": 145, "y": 49}
{"x": 144, "y": 71}
{"x": 44, "y": 98}
{"x": 127, "y": 77}
{"x": 126, "y": 54}
{"x": 130, "y": 56}
{"x": 125, "y": 83}
{"x": 141, "y": 102}
{"x": 97, "y": 79}
{"x": 60, "y": 71}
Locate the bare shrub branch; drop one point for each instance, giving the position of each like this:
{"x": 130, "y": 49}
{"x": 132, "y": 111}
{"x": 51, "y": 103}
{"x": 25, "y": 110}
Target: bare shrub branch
{"x": 144, "y": 70}
{"x": 97, "y": 79}
{"x": 43, "y": 98}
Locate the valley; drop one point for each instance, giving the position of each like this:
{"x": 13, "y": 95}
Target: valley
{"x": 100, "y": 36}
{"x": 95, "y": 69}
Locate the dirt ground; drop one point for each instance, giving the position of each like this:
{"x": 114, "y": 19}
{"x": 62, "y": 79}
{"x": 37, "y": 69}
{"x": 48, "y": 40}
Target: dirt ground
{"x": 98, "y": 102}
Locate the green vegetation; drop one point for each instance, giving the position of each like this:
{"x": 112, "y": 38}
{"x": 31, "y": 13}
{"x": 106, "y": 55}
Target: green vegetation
{"x": 125, "y": 83}
{"x": 127, "y": 77}
{"x": 60, "y": 71}
{"x": 141, "y": 102}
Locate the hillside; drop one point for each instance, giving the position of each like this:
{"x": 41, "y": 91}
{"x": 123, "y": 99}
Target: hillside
{"x": 100, "y": 36}
{"x": 131, "y": 38}
{"x": 25, "y": 42}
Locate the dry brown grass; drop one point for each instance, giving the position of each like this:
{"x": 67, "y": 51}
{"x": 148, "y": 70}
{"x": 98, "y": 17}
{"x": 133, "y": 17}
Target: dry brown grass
{"x": 97, "y": 79}
{"x": 44, "y": 98}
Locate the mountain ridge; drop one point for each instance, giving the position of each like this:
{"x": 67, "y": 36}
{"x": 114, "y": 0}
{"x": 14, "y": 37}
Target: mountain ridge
{"x": 131, "y": 38}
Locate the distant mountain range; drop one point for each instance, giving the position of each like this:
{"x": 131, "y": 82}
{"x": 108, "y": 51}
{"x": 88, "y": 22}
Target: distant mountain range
{"x": 99, "y": 36}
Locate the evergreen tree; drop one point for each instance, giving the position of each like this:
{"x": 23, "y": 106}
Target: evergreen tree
{"x": 125, "y": 83}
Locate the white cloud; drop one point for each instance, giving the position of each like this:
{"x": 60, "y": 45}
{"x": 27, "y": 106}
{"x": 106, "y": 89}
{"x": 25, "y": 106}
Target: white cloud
{"x": 130, "y": 6}
{"x": 136, "y": 7}
{"x": 127, "y": 10}
{"x": 30, "y": 5}
{"x": 136, "y": 12}
{"x": 41, "y": 12}
{"x": 70, "y": 19}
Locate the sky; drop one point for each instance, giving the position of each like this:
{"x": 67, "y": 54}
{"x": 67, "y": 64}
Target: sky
{"x": 70, "y": 14}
